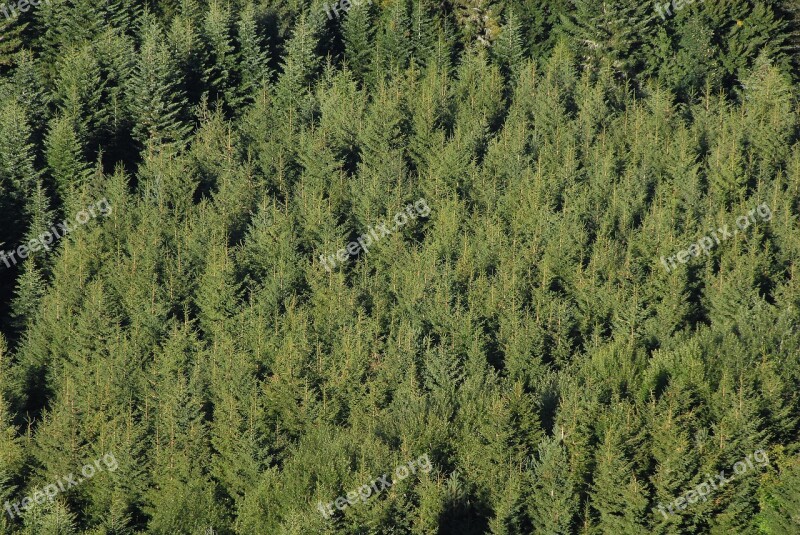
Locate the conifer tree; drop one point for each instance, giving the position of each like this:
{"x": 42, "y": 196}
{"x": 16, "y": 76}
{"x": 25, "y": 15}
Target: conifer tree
{"x": 55, "y": 38}
{"x": 12, "y": 454}
{"x": 508, "y": 515}
{"x": 79, "y": 96}
{"x": 357, "y": 32}
{"x": 478, "y": 20}
{"x": 217, "y": 293}
{"x": 770, "y": 117}
{"x": 29, "y": 291}
{"x": 424, "y": 31}
{"x": 253, "y": 54}
{"x": 18, "y": 175}
{"x": 32, "y": 93}
{"x": 780, "y": 500}
{"x": 299, "y": 66}
{"x": 429, "y": 112}
{"x": 552, "y": 504}
{"x": 52, "y": 519}
{"x": 11, "y": 43}
{"x": 393, "y": 41}
{"x": 196, "y": 334}
{"x": 67, "y": 167}
{"x": 124, "y": 15}
{"x": 611, "y": 31}
{"x": 157, "y": 104}
{"x": 220, "y": 70}
{"x": 189, "y": 54}
{"x": 618, "y": 495}
{"x": 181, "y": 496}
{"x": 691, "y": 63}
{"x": 508, "y": 49}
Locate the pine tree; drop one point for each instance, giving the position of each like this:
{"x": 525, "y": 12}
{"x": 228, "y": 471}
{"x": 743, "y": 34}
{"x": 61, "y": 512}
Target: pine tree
{"x": 253, "y": 54}
{"x": 508, "y": 510}
{"x": 240, "y": 438}
{"x": 478, "y": 20}
{"x": 18, "y": 175}
{"x": 692, "y": 63}
{"x": 12, "y": 453}
{"x": 220, "y": 70}
{"x": 181, "y": 497}
{"x": 769, "y": 115}
{"x": 424, "y": 32}
{"x": 780, "y": 500}
{"x": 676, "y": 456}
{"x": 299, "y": 66}
{"x": 188, "y": 52}
{"x": 508, "y": 50}
{"x": 358, "y": 31}
{"x": 117, "y": 522}
{"x": 158, "y": 105}
{"x": 752, "y": 32}
{"x": 11, "y": 30}
{"x": 217, "y": 293}
{"x": 79, "y": 96}
{"x": 29, "y": 291}
{"x": 84, "y": 22}
{"x": 610, "y": 32}
{"x": 618, "y": 495}
{"x": 68, "y": 170}
{"x": 31, "y": 94}
{"x": 116, "y": 57}
{"x": 124, "y": 15}
{"x": 552, "y": 505}
{"x": 52, "y": 519}
{"x": 393, "y": 42}
{"x": 428, "y": 110}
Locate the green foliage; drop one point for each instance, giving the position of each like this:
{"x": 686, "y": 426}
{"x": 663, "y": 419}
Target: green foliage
{"x": 221, "y": 69}
{"x": 781, "y": 500}
{"x": 508, "y": 50}
{"x": 157, "y": 104}
{"x": 254, "y": 57}
{"x": 553, "y": 503}
{"x": 610, "y": 32}
{"x": 357, "y": 31}
{"x": 521, "y": 331}
{"x": 11, "y": 30}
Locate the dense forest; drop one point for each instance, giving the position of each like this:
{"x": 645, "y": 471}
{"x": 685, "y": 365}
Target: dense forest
{"x": 466, "y": 267}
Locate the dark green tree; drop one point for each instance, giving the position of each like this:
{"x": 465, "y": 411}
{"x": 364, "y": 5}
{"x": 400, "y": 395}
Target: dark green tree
{"x": 157, "y": 104}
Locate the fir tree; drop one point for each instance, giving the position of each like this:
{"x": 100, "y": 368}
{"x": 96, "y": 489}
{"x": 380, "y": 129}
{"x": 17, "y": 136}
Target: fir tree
{"x": 11, "y": 30}
{"x": 67, "y": 168}
{"x": 508, "y": 50}
{"x": 220, "y": 71}
{"x": 552, "y": 504}
{"x": 609, "y": 31}
{"x": 357, "y": 31}
{"x": 253, "y": 54}
{"x": 157, "y": 104}
{"x": 780, "y": 501}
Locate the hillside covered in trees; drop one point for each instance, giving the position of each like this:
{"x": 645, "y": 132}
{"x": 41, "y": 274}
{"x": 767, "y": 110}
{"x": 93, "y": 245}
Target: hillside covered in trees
{"x": 501, "y": 267}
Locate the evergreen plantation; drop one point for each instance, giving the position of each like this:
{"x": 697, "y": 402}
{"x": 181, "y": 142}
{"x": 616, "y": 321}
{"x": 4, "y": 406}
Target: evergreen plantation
{"x": 517, "y": 360}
